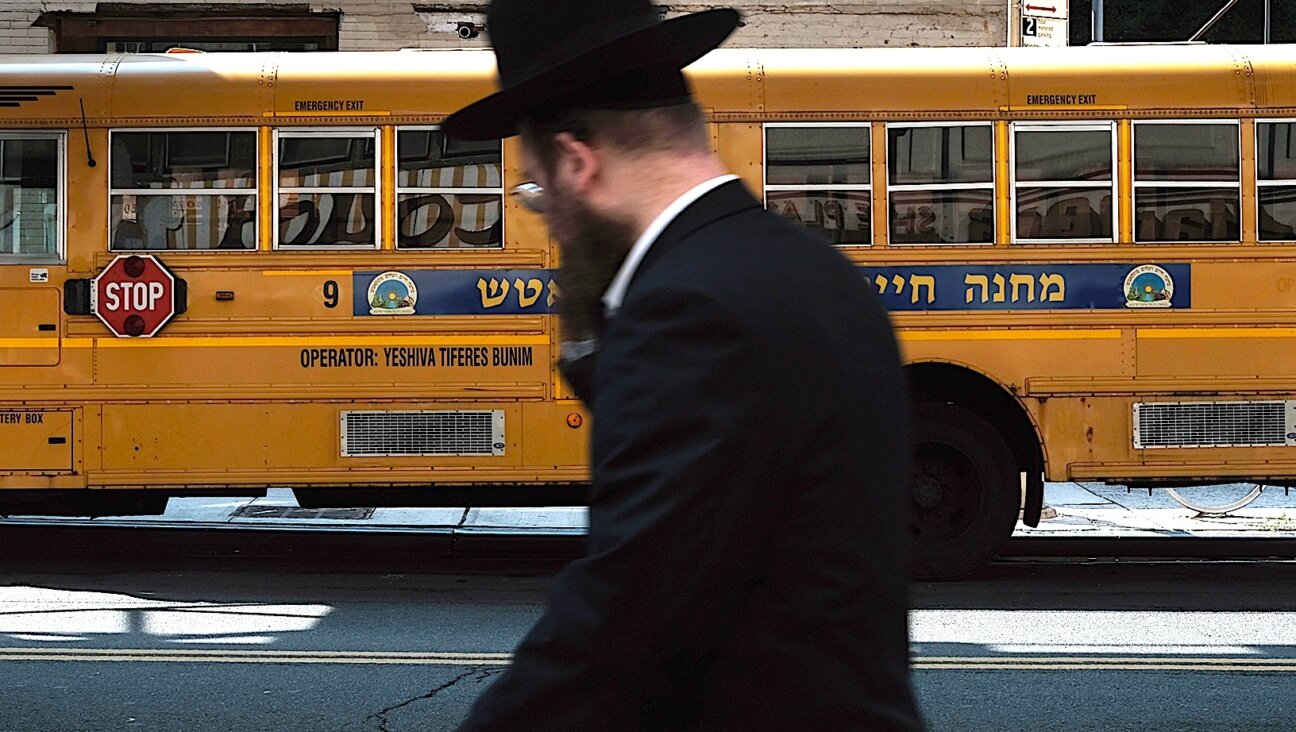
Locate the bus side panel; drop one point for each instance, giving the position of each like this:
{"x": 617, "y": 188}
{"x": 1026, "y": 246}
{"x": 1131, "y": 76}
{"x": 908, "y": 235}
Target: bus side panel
{"x": 1001, "y": 356}
{"x": 1236, "y": 306}
{"x": 30, "y": 330}
{"x": 557, "y": 435}
{"x": 1083, "y": 430}
{"x": 39, "y": 441}
{"x": 232, "y": 443}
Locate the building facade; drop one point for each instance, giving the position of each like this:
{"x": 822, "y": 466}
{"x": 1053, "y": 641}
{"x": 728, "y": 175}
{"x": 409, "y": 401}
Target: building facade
{"x": 85, "y": 26}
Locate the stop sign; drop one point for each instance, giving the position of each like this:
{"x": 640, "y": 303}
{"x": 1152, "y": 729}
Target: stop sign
{"x": 134, "y": 296}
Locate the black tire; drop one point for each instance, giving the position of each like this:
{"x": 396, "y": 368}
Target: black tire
{"x": 965, "y": 492}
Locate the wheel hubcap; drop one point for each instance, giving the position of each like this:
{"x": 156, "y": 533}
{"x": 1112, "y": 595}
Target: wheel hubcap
{"x": 927, "y": 491}
{"x": 946, "y": 491}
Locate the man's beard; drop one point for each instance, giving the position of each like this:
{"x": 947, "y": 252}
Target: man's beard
{"x": 593, "y": 248}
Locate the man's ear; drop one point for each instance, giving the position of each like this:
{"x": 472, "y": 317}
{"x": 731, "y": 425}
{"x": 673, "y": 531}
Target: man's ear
{"x": 578, "y": 163}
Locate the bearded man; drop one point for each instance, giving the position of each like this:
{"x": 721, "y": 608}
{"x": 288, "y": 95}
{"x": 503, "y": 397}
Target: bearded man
{"x": 747, "y": 566}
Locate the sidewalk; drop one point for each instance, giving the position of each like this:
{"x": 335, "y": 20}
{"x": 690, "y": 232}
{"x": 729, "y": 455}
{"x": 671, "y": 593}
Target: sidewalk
{"x": 1086, "y": 510}
{"x": 278, "y": 510}
{"x": 1097, "y": 510}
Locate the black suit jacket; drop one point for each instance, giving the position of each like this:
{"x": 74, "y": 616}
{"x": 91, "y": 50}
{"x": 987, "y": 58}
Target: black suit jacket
{"x": 747, "y": 564}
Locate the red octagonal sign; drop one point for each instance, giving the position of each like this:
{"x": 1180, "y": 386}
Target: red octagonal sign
{"x": 134, "y": 296}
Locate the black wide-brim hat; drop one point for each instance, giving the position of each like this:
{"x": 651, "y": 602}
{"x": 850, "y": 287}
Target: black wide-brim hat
{"x": 615, "y": 54}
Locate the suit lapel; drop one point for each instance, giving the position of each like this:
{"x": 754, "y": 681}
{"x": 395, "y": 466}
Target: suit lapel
{"x": 724, "y": 200}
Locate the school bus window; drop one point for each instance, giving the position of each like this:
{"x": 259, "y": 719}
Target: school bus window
{"x": 449, "y": 192}
{"x": 327, "y": 189}
{"x": 940, "y": 186}
{"x": 818, "y": 176}
{"x": 182, "y": 190}
{"x": 30, "y": 191}
{"x": 1276, "y": 180}
{"x": 1187, "y": 181}
{"x": 1063, "y": 181}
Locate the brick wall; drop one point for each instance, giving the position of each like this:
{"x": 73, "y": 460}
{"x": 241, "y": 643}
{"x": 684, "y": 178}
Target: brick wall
{"x": 849, "y": 23}
{"x": 868, "y": 23}
{"x": 390, "y": 24}
{"x": 16, "y": 32}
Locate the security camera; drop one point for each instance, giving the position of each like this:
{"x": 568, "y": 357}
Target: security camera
{"x": 469, "y": 30}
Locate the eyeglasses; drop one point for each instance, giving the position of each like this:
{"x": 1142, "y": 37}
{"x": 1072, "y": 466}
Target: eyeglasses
{"x": 531, "y": 195}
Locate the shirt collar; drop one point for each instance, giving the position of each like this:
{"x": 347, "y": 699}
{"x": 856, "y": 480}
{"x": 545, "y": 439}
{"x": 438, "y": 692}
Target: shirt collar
{"x": 616, "y": 291}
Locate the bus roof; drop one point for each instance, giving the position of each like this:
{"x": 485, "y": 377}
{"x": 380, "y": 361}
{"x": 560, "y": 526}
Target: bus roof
{"x": 825, "y": 84}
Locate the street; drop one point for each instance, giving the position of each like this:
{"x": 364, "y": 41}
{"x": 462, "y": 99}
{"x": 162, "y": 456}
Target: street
{"x": 303, "y": 640}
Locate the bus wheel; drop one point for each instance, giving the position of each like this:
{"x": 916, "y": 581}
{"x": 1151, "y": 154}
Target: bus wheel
{"x": 965, "y": 492}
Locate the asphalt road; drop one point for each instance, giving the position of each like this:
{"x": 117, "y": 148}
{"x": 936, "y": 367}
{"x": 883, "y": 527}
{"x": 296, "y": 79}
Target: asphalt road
{"x": 301, "y": 641}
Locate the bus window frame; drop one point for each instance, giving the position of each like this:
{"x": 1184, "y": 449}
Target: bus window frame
{"x": 376, "y": 188}
{"x": 1113, "y": 185}
{"x": 1271, "y": 183}
{"x": 1135, "y": 184}
{"x": 398, "y": 190}
{"x": 61, "y": 190}
{"x": 992, "y": 186}
{"x": 867, "y": 126}
{"x": 254, "y": 191}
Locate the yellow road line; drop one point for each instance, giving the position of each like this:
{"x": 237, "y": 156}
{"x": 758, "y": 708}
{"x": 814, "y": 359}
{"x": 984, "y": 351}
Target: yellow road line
{"x": 1009, "y": 335}
{"x": 160, "y": 658}
{"x": 115, "y": 655}
{"x": 262, "y": 652}
{"x": 1095, "y": 663}
{"x": 929, "y": 663}
{"x": 1009, "y": 666}
{"x": 1101, "y": 659}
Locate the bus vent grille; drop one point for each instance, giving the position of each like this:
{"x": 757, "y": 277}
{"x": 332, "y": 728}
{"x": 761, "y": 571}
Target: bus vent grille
{"x": 411, "y": 433}
{"x": 1215, "y": 424}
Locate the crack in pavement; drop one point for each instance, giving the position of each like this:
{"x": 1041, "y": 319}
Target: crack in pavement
{"x": 457, "y": 531}
{"x": 476, "y": 674}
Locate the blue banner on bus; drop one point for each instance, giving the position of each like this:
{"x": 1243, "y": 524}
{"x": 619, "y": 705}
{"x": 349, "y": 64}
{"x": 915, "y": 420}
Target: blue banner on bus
{"x": 904, "y": 288}
{"x": 455, "y": 292}
{"x": 1033, "y": 286}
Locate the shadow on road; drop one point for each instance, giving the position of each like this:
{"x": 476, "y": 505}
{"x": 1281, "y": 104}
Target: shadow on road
{"x": 1118, "y": 584}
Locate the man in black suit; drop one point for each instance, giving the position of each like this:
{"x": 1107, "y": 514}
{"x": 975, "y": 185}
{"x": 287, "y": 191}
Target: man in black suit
{"x": 747, "y": 565}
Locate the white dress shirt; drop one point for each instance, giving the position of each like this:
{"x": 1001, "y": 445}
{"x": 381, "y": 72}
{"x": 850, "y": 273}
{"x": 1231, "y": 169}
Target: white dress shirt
{"x": 616, "y": 291}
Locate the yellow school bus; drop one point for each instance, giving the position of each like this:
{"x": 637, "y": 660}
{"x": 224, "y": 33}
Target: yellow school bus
{"x": 224, "y": 272}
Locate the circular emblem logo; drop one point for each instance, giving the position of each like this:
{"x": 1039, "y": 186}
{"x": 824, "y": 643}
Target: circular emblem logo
{"x": 392, "y": 293}
{"x": 1148, "y": 286}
